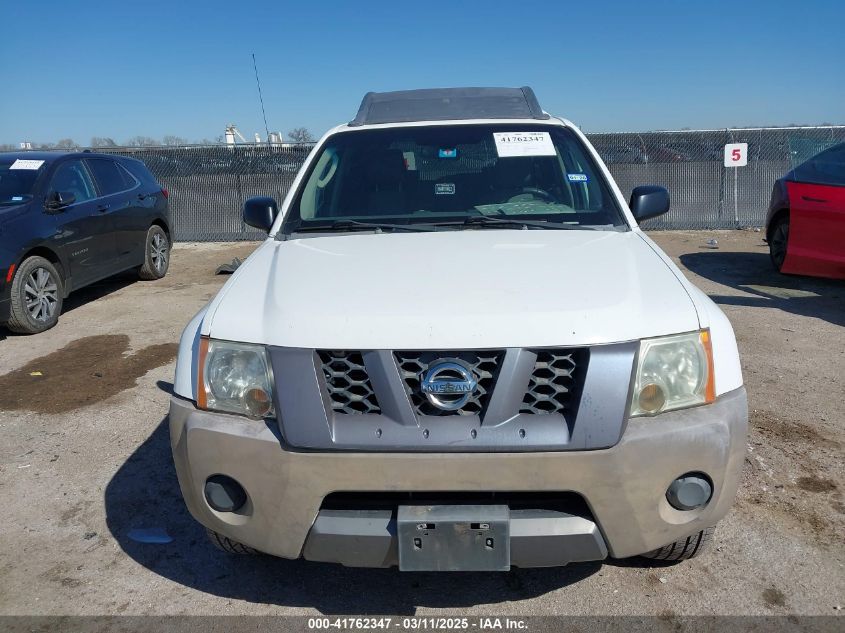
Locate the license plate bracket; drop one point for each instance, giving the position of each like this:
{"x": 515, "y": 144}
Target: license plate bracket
{"x": 453, "y": 537}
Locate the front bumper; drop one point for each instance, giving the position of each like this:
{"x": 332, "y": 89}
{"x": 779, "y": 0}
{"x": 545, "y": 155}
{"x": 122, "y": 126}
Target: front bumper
{"x": 624, "y": 486}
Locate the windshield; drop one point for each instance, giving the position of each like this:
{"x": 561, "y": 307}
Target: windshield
{"x": 17, "y": 179}
{"x": 445, "y": 175}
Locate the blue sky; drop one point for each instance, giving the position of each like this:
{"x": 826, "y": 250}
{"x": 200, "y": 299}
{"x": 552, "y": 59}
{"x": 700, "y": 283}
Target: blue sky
{"x": 119, "y": 69}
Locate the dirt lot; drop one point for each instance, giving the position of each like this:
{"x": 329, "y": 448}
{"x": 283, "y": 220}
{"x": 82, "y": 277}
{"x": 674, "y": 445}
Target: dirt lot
{"x": 85, "y": 459}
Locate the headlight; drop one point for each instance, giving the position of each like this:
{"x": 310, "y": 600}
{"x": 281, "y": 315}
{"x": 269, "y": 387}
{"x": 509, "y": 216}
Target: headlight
{"x": 673, "y": 372}
{"x": 234, "y": 377}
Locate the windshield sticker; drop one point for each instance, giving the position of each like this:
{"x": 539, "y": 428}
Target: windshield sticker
{"x": 577, "y": 177}
{"x": 444, "y": 188}
{"x": 26, "y": 164}
{"x": 17, "y": 198}
{"x": 410, "y": 161}
{"x": 447, "y": 153}
{"x": 523, "y": 144}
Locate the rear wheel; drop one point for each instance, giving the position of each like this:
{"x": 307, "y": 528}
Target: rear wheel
{"x": 683, "y": 549}
{"x": 36, "y": 297}
{"x": 156, "y": 254}
{"x": 228, "y": 545}
{"x": 778, "y": 241}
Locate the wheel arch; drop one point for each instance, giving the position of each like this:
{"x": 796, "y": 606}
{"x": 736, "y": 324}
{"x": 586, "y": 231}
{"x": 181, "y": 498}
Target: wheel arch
{"x": 165, "y": 227}
{"x": 777, "y": 216}
{"x": 53, "y": 257}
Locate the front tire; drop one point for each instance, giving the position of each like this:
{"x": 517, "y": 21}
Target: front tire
{"x": 684, "y": 549}
{"x": 778, "y": 242}
{"x": 36, "y": 297}
{"x": 228, "y": 545}
{"x": 156, "y": 254}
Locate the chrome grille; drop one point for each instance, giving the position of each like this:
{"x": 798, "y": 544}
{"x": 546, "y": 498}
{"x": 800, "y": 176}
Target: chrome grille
{"x": 484, "y": 365}
{"x": 552, "y": 381}
{"x": 348, "y": 383}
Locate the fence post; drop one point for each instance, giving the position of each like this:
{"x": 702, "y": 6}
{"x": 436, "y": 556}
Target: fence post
{"x": 241, "y": 203}
{"x": 722, "y": 182}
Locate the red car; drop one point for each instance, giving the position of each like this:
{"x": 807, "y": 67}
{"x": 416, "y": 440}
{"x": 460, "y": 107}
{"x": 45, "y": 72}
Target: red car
{"x": 805, "y": 224}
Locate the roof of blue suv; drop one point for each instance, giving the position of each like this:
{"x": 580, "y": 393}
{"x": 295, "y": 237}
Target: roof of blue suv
{"x": 30, "y": 155}
{"x": 53, "y": 155}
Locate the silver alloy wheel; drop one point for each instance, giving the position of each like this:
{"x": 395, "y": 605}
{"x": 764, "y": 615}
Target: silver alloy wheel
{"x": 41, "y": 294}
{"x": 158, "y": 252}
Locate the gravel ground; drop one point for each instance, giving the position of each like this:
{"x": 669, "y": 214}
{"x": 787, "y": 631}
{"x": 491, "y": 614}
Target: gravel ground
{"x": 85, "y": 461}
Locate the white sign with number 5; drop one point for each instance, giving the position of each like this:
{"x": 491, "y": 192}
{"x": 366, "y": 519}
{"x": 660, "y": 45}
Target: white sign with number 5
{"x": 736, "y": 154}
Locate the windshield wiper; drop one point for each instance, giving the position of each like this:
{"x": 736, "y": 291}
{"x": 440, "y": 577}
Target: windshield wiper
{"x": 484, "y": 220}
{"x": 352, "y": 225}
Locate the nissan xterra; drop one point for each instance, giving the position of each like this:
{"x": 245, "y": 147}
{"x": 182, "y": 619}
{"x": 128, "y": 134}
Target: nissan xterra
{"x": 456, "y": 350}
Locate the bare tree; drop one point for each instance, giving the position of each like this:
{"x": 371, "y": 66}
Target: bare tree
{"x": 141, "y": 141}
{"x": 174, "y": 140}
{"x": 67, "y": 143}
{"x": 102, "y": 141}
{"x": 7, "y": 147}
{"x": 300, "y": 135}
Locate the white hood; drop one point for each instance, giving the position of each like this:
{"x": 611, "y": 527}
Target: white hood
{"x": 467, "y": 289}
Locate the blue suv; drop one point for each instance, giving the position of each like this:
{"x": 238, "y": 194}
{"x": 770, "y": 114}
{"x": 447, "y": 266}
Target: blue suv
{"x": 68, "y": 220}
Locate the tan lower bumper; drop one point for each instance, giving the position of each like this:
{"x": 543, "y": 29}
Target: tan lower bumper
{"x": 624, "y": 486}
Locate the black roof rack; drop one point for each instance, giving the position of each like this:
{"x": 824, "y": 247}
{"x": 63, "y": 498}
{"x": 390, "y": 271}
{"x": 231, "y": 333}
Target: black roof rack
{"x": 442, "y": 104}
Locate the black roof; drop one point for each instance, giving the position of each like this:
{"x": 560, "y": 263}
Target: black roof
{"x": 50, "y": 155}
{"x": 46, "y": 156}
{"x": 442, "y": 104}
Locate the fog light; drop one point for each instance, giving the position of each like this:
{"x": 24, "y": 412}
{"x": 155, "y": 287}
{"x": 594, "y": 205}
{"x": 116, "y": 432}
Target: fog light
{"x": 689, "y": 492}
{"x": 224, "y": 494}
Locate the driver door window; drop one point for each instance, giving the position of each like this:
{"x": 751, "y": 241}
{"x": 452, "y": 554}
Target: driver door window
{"x": 73, "y": 178}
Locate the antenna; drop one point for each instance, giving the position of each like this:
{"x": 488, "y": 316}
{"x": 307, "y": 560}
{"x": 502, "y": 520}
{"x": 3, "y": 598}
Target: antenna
{"x": 260, "y": 98}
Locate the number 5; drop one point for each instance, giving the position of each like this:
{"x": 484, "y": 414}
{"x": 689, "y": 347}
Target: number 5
{"x": 736, "y": 154}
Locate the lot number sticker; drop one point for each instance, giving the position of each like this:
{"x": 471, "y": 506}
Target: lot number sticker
{"x": 736, "y": 154}
{"x": 26, "y": 164}
{"x": 523, "y": 144}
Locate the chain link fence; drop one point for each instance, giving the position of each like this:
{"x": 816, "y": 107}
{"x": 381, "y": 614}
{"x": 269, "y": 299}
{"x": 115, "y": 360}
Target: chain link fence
{"x": 690, "y": 164}
{"x": 208, "y": 184}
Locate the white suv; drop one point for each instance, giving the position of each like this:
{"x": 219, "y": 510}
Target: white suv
{"x": 456, "y": 350}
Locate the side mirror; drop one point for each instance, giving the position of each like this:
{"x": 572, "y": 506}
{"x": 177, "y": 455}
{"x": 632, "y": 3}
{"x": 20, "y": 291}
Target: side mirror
{"x": 261, "y": 212}
{"x": 59, "y": 200}
{"x": 648, "y": 201}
